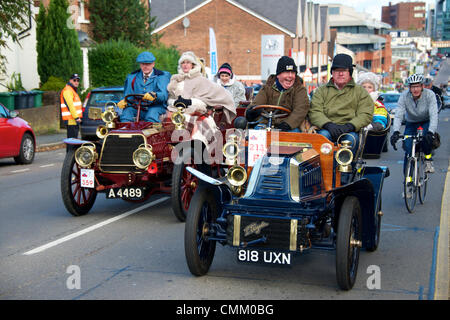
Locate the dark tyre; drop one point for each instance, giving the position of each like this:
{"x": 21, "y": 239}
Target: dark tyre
{"x": 27, "y": 150}
{"x": 199, "y": 250}
{"x": 78, "y": 200}
{"x": 348, "y": 243}
{"x": 409, "y": 187}
{"x": 376, "y": 235}
{"x": 423, "y": 181}
{"x": 184, "y": 184}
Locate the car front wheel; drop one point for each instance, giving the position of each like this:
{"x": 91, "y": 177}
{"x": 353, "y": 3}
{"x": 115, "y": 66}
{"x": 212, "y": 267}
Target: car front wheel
{"x": 78, "y": 200}
{"x": 348, "y": 243}
{"x": 27, "y": 150}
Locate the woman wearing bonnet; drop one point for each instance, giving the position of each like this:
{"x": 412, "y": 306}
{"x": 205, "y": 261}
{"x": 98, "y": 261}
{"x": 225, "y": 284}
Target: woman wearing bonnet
{"x": 371, "y": 82}
{"x": 190, "y": 89}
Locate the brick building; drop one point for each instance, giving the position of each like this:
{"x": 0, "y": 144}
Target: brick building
{"x": 239, "y": 26}
{"x": 405, "y": 15}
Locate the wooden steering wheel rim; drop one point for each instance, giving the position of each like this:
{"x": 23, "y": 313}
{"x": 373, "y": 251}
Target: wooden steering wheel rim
{"x": 264, "y": 106}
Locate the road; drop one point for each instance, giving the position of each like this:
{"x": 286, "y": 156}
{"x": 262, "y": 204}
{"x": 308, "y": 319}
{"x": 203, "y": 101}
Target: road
{"x": 127, "y": 251}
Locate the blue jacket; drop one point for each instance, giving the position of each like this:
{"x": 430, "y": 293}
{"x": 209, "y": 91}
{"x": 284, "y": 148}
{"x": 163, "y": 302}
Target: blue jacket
{"x": 158, "y": 81}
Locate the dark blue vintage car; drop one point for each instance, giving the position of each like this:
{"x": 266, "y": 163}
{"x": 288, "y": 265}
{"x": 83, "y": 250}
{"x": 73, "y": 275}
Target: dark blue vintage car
{"x": 304, "y": 193}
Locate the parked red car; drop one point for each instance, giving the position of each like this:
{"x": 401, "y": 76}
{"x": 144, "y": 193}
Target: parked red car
{"x": 17, "y": 138}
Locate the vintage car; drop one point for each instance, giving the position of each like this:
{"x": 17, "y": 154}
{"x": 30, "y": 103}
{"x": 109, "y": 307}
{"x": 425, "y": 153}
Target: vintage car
{"x": 134, "y": 160}
{"x": 285, "y": 193}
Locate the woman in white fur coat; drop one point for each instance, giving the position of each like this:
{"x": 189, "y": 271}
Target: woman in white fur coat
{"x": 197, "y": 93}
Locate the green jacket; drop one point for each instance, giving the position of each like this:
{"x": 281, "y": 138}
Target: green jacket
{"x": 295, "y": 99}
{"x": 352, "y": 105}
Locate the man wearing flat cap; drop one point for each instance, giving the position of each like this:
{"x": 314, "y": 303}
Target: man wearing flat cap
{"x": 71, "y": 107}
{"x": 341, "y": 106}
{"x": 148, "y": 81}
{"x": 285, "y": 89}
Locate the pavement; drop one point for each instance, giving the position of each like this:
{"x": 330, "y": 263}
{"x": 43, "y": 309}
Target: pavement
{"x": 49, "y": 142}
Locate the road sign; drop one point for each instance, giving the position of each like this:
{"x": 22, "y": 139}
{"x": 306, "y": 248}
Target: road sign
{"x": 307, "y": 76}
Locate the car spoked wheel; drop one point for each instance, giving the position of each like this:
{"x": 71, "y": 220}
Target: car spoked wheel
{"x": 27, "y": 150}
{"x": 348, "y": 243}
{"x": 78, "y": 200}
{"x": 184, "y": 184}
{"x": 199, "y": 250}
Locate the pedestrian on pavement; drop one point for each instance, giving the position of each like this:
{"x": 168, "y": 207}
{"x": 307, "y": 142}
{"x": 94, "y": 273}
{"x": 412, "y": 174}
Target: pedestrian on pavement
{"x": 283, "y": 89}
{"x": 226, "y": 79}
{"x": 150, "y": 82}
{"x": 340, "y": 106}
{"x": 71, "y": 108}
{"x": 371, "y": 82}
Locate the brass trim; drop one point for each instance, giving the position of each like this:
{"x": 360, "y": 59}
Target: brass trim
{"x": 293, "y": 237}
{"x": 95, "y": 113}
{"x": 121, "y": 135}
{"x": 237, "y": 231}
{"x": 294, "y": 180}
{"x": 291, "y": 144}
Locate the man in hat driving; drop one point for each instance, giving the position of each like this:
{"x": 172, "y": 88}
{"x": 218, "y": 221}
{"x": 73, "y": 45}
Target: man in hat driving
{"x": 341, "y": 107}
{"x": 148, "y": 81}
{"x": 285, "y": 88}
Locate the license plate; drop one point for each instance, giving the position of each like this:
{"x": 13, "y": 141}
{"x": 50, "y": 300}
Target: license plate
{"x": 264, "y": 256}
{"x": 87, "y": 178}
{"x": 134, "y": 193}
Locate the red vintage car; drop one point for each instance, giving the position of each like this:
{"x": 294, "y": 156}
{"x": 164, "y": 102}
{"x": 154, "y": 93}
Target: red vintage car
{"x": 134, "y": 160}
{"x": 17, "y": 138}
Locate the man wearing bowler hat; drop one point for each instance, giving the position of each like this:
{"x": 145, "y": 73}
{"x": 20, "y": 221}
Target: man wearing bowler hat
{"x": 341, "y": 106}
{"x": 148, "y": 81}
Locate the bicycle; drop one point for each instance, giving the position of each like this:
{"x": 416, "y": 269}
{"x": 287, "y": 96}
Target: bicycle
{"x": 416, "y": 178}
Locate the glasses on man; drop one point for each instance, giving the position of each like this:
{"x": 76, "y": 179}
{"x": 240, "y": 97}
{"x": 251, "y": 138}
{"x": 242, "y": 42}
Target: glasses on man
{"x": 76, "y": 80}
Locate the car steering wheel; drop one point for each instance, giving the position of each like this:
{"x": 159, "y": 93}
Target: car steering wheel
{"x": 135, "y": 100}
{"x": 271, "y": 112}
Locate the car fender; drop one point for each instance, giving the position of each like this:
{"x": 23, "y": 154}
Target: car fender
{"x": 363, "y": 190}
{"x": 75, "y": 142}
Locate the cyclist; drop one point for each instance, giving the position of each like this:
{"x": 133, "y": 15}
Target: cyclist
{"x": 418, "y": 107}
{"x": 428, "y": 84}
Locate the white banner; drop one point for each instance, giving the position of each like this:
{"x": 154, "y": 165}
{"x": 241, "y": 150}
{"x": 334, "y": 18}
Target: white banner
{"x": 212, "y": 52}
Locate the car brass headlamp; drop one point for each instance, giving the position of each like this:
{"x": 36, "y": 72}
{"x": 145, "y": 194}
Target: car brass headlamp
{"x": 109, "y": 115}
{"x": 85, "y": 155}
{"x": 143, "y": 156}
{"x": 344, "y": 157}
{"x": 178, "y": 119}
{"x": 231, "y": 150}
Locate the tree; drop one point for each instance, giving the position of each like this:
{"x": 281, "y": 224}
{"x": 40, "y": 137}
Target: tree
{"x": 59, "y": 52}
{"x": 13, "y": 18}
{"x": 127, "y": 20}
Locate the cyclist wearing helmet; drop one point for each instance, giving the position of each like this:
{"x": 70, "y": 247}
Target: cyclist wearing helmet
{"x": 418, "y": 107}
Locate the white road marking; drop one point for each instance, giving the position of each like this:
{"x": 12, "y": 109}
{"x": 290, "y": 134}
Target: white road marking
{"x": 47, "y": 165}
{"x": 21, "y": 170}
{"x": 92, "y": 228}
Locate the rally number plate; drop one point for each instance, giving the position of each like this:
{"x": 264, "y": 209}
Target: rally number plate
{"x": 133, "y": 193}
{"x": 264, "y": 257}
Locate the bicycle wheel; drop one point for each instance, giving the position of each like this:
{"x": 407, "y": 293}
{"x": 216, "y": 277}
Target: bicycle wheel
{"x": 422, "y": 179}
{"x": 410, "y": 190}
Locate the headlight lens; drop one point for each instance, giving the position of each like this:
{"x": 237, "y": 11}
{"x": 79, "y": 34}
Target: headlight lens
{"x": 326, "y": 148}
{"x": 237, "y": 176}
{"x": 344, "y": 156}
{"x": 143, "y": 156}
{"x": 85, "y": 155}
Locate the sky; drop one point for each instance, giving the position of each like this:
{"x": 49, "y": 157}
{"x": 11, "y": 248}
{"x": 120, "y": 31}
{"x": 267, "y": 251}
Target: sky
{"x": 369, "y": 6}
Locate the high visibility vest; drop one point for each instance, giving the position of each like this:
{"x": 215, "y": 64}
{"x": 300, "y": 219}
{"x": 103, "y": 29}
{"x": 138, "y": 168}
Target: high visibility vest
{"x": 65, "y": 112}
